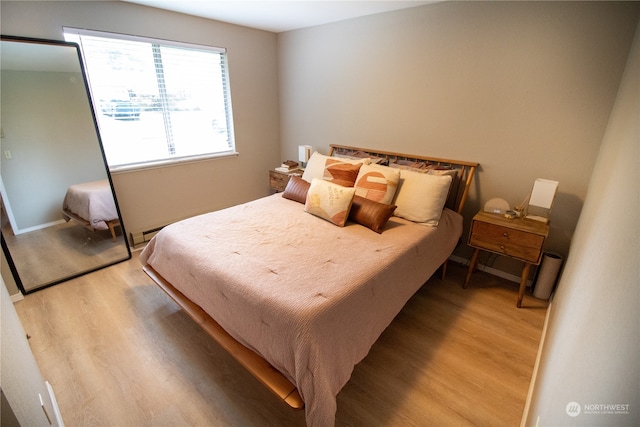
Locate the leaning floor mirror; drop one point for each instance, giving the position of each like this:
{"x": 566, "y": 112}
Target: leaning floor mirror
{"x": 60, "y": 216}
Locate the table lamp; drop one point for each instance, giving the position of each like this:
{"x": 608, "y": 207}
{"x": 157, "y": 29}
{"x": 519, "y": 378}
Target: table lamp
{"x": 541, "y": 199}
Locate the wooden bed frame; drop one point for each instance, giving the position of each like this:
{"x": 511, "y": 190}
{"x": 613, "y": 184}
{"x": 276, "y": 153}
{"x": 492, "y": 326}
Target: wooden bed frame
{"x": 466, "y": 170}
{"x": 262, "y": 370}
{"x": 111, "y": 223}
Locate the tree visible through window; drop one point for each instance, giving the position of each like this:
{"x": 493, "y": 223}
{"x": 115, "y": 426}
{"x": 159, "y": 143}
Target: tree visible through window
{"x": 156, "y": 100}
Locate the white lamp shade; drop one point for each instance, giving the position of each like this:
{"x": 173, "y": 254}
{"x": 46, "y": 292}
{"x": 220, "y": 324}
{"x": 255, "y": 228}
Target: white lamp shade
{"x": 541, "y": 199}
{"x": 304, "y": 152}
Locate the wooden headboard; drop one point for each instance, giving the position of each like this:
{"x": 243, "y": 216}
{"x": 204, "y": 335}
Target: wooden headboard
{"x": 466, "y": 170}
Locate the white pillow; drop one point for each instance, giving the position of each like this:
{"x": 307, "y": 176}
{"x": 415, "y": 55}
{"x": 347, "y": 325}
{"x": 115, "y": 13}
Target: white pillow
{"x": 377, "y": 183}
{"x": 317, "y": 163}
{"x": 421, "y": 197}
{"x": 329, "y": 201}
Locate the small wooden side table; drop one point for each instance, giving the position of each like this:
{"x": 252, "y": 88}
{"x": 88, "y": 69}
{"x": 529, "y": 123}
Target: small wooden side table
{"x": 278, "y": 180}
{"x": 517, "y": 238}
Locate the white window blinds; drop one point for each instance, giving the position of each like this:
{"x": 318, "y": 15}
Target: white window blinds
{"x": 156, "y": 100}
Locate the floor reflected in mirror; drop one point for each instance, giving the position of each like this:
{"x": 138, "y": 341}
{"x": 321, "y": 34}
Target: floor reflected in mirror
{"x": 49, "y": 254}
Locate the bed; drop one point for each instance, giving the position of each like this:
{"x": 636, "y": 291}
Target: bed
{"x": 92, "y": 205}
{"x": 299, "y": 297}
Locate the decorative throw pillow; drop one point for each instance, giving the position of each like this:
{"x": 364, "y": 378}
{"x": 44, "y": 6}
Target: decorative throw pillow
{"x": 357, "y": 155}
{"x": 329, "y": 201}
{"x": 296, "y": 189}
{"x": 371, "y": 214}
{"x": 453, "y": 188}
{"x": 341, "y": 173}
{"x": 377, "y": 183}
{"x": 318, "y": 163}
{"x": 411, "y": 164}
{"x": 421, "y": 197}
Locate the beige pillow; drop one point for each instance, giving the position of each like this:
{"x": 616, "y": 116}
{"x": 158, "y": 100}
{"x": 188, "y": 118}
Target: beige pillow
{"x": 421, "y": 197}
{"x": 377, "y": 183}
{"x": 329, "y": 201}
{"x": 452, "y": 196}
{"x": 318, "y": 163}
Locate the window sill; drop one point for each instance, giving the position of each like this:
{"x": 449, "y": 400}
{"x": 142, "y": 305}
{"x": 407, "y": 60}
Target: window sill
{"x": 115, "y": 170}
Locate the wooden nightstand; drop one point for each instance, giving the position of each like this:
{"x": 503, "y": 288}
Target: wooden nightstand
{"x": 278, "y": 180}
{"x": 518, "y": 238}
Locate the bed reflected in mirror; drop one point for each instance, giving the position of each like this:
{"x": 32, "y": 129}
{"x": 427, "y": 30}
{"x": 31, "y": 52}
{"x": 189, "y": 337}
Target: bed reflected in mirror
{"x": 60, "y": 217}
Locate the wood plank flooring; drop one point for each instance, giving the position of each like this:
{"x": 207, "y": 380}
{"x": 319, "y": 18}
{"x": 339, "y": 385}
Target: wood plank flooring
{"x": 50, "y": 254}
{"x": 119, "y": 352}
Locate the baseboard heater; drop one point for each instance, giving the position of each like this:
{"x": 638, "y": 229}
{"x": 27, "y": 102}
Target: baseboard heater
{"x": 141, "y": 237}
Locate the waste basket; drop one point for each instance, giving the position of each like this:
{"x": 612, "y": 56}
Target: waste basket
{"x": 547, "y": 275}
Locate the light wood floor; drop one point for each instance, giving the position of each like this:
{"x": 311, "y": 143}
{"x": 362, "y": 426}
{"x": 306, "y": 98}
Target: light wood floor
{"x": 50, "y": 254}
{"x": 118, "y": 352}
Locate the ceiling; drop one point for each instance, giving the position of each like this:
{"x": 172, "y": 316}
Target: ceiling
{"x": 280, "y": 16}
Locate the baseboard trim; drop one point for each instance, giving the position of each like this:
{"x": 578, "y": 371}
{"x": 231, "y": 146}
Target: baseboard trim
{"x": 54, "y": 403}
{"x": 17, "y": 297}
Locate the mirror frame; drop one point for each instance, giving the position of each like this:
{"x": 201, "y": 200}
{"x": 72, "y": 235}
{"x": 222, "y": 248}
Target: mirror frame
{"x": 5, "y": 248}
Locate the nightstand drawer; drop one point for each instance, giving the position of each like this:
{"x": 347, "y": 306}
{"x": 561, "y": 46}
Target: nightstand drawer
{"x": 514, "y": 243}
{"x": 278, "y": 180}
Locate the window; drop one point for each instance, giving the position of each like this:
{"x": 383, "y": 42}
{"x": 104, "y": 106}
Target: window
{"x": 156, "y": 101}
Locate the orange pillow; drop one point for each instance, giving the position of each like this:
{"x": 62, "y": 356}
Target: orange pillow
{"x": 341, "y": 173}
{"x": 296, "y": 189}
{"x": 373, "y": 215}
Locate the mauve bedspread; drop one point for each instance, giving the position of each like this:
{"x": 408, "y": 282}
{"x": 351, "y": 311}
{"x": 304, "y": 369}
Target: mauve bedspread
{"x": 91, "y": 201}
{"x": 308, "y": 296}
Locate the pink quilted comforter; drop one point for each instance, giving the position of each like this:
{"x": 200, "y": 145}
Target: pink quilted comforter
{"x": 91, "y": 201}
{"x": 308, "y": 296}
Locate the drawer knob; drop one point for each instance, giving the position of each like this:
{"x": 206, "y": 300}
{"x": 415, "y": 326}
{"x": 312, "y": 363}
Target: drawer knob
{"x": 502, "y": 247}
{"x": 505, "y": 234}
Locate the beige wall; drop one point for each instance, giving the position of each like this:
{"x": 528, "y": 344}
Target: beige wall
{"x": 523, "y": 88}
{"x": 155, "y": 197}
{"x": 46, "y": 159}
{"x": 592, "y": 346}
